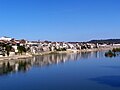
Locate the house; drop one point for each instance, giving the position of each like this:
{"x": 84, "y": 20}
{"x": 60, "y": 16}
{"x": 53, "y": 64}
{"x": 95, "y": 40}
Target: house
{"x": 15, "y": 48}
{"x": 5, "y": 38}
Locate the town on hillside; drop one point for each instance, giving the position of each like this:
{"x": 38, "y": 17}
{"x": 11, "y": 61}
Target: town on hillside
{"x": 11, "y": 46}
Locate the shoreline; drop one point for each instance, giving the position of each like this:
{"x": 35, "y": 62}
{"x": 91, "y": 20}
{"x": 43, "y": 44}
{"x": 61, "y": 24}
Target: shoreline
{"x": 17, "y": 57}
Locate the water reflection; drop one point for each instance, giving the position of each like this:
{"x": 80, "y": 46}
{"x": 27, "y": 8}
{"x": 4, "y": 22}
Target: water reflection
{"x": 13, "y": 66}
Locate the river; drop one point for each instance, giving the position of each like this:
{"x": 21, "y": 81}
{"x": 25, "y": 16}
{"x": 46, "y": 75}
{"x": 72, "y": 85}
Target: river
{"x": 75, "y": 71}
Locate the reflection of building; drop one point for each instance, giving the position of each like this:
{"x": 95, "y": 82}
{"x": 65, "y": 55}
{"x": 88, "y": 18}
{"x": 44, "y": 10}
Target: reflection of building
{"x": 23, "y": 65}
{"x": 99, "y": 54}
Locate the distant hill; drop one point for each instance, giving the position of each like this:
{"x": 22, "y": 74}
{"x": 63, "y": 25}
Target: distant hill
{"x": 107, "y": 41}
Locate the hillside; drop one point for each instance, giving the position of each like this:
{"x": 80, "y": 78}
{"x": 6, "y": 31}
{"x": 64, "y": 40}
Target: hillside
{"x": 107, "y": 41}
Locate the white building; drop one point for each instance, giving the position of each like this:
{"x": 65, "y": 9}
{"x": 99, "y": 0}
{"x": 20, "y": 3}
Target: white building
{"x": 15, "y": 48}
{"x": 5, "y": 38}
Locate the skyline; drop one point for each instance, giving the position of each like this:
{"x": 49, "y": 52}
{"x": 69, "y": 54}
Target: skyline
{"x": 60, "y": 20}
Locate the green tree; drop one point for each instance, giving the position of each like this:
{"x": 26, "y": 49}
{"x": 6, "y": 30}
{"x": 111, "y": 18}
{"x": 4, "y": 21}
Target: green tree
{"x": 8, "y": 48}
{"x": 21, "y": 49}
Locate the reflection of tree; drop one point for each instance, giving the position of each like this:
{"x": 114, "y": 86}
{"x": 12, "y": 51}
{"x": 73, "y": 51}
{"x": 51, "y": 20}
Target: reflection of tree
{"x": 23, "y": 65}
{"x": 39, "y": 61}
{"x": 10, "y": 68}
{"x": 6, "y": 68}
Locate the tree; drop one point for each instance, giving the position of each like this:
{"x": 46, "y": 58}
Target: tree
{"x": 21, "y": 49}
{"x": 8, "y": 48}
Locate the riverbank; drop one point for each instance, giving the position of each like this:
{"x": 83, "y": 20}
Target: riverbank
{"x": 97, "y": 49}
{"x": 15, "y": 57}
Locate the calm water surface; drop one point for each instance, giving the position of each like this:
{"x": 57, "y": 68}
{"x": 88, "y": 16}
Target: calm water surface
{"x": 83, "y": 71}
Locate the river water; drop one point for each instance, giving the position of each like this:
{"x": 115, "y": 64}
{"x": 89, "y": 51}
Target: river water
{"x": 81, "y": 71}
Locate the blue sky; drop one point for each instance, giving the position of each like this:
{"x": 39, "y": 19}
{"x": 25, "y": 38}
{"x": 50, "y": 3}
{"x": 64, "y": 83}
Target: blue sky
{"x": 60, "y": 20}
